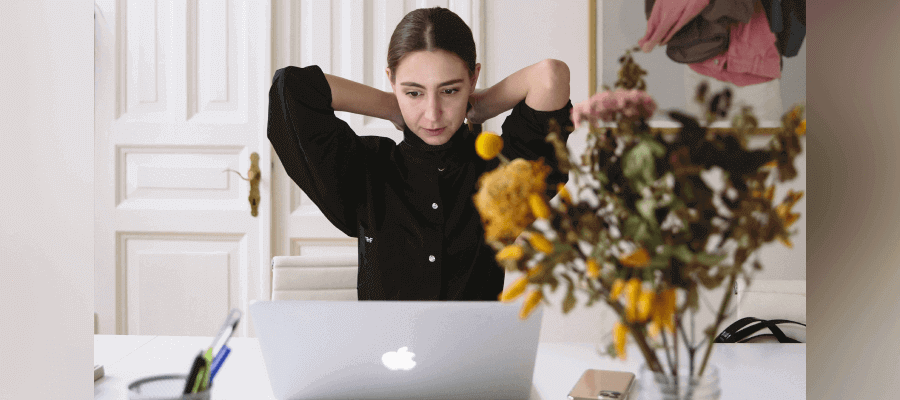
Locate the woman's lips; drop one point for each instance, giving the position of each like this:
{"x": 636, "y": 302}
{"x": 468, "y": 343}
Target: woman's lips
{"x": 434, "y": 132}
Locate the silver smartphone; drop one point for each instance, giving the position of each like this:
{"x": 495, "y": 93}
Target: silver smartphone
{"x": 598, "y": 384}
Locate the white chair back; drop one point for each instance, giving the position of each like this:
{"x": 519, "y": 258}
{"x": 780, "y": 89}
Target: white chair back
{"x": 314, "y": 277}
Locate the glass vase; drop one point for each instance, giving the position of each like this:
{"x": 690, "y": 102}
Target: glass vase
{"x": 656, "y": 386}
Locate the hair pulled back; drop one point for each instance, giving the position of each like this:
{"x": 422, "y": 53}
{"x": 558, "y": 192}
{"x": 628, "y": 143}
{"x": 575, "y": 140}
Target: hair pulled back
{"x": 431, "y": 29}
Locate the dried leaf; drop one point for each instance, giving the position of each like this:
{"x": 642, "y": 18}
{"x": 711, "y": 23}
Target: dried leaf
{"x": 569, "y": 301}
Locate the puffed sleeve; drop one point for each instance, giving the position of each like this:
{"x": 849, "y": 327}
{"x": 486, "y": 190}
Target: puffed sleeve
{"x": 318, "y": 150}
{"x": 524, "y": 136}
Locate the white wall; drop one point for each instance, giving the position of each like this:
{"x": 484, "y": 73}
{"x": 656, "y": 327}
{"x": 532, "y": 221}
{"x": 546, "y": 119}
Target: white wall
{"x": 46, "y": 248}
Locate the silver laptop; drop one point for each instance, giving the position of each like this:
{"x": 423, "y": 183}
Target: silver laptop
{"x": 397, "y": 350}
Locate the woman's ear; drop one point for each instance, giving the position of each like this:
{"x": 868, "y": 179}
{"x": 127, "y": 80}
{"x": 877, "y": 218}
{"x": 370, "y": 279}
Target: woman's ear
{"x": 475, "y": 75}
{"x": 387, "y": 71}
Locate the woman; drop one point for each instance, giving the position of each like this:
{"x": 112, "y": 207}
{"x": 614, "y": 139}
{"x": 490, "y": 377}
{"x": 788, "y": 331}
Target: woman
{"x": 410, "y": 204}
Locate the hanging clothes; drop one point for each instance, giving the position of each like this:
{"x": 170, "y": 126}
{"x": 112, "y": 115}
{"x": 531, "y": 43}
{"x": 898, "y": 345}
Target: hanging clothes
{"x": 752, "y": 56}
{"x": 693, "y": 30}
{"x": 787, "y": 19}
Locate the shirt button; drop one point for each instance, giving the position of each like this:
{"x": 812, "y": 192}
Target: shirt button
{"x": 434, "y": 206}
{"x": 431, "y": 258}
{"x": 716, "y": 62}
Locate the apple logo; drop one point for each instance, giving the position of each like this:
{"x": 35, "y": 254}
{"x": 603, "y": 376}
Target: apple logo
{"x": 399, "y": 360}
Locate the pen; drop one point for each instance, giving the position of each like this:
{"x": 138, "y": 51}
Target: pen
{"x": 218, "y": 361}
{"x": 226, "y": 331}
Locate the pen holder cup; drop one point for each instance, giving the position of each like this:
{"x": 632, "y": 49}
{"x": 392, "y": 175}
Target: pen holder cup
{"x": 163, "y": 387}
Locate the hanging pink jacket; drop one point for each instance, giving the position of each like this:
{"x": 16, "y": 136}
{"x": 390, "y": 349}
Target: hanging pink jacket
{"x": 752, "y": 56}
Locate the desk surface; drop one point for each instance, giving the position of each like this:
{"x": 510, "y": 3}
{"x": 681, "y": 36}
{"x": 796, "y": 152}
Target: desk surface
{"x": 746, "y": 371}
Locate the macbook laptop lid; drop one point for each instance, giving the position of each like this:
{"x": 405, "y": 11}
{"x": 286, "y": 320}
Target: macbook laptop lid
{"x": 397, "y": 350}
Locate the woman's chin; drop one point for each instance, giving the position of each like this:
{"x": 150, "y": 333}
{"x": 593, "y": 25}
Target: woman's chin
{"x": 436, "y": 140}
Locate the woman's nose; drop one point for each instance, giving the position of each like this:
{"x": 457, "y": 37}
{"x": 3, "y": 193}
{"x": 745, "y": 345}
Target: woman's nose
{"x": 433, "y": 108}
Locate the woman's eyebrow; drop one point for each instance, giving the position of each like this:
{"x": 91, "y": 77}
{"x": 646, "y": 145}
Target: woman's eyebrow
{"x": 413, "y": 84}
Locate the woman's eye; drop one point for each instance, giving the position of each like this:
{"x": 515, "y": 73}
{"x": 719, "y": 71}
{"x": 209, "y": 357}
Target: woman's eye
{"x": 451, "y": 91}
{"x": 413, "y": 94}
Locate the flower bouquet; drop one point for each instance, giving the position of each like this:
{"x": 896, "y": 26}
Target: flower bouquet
{"x": 645, "y": 224}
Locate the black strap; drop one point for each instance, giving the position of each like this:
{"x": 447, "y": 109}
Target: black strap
{"x": 737, "y": 333}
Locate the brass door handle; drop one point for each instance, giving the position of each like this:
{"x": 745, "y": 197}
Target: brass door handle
{"x": 253, "y": 176}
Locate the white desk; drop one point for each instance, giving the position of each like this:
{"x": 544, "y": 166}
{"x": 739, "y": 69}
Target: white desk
{"x": 746, "y": 371}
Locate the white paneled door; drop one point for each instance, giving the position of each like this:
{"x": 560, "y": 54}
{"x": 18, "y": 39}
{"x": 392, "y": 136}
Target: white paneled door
{"x": 347, "y": 38}
{"x": 184, "y": 99}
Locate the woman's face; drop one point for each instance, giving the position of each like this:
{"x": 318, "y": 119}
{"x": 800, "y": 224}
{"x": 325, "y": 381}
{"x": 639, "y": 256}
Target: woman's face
{"x": 432, "y": 89}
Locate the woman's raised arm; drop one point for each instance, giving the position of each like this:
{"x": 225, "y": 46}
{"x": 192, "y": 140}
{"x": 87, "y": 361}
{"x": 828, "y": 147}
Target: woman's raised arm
{"x": 544, "y": 86}
{"x": 354, "y": 97}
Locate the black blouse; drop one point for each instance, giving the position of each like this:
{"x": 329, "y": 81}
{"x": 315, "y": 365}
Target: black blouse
{"x": 409, "y": 204}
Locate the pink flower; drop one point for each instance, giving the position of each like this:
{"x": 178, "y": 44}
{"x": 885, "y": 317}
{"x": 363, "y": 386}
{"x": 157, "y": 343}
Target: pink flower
{"x": 620, "y": 95}
{"x": 649, "y": 106}
{"x": 608, "y": 105}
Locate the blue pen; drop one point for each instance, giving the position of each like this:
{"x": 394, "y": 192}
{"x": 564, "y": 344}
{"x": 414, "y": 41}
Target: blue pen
{"x": 218, "y": 361}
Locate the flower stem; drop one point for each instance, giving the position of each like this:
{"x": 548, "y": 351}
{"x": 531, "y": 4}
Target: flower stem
{"x": 719, "y": 318}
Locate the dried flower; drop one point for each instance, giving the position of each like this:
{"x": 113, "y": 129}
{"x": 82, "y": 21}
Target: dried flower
{"x": 502, "y": 198}
{"x": 664, "y": 310}
{"x": 511, "y": 252}
{"x": 620, "y": 332}
{"x": 534, "y": 298}
{"x": 593, "y": 269}
{"x": 540, "y": 243}
{"x": 617, "y": 288}
{"x": 632, "y": 293}
{"x": 784, "y": 212}
{"x": 538, "y": 207}
{"x": 645, "y": 303}
{"x": 488, "y": 145}
{"x": 515, "y": 290}
{"x": 607, "y": 106}
{"x": 635, "y": 189}
{"x": 636, "y": 259}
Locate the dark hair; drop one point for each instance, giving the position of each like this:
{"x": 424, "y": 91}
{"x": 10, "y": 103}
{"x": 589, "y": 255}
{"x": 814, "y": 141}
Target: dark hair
{"x": 431, "y": 29}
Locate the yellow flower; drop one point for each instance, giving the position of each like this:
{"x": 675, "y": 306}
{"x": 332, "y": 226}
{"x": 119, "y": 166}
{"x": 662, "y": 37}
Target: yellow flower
{"x": 564, "y": 193}
{"x": 637, "y": 259}
{"x": 538, "y": 206}
{"x": 644, "y": 305}
{"x": 787, "y": 242}
{"x": 801, "y": 128}
{"x": 768, "y": 194}
{"x": 632, "y": 292}
{"x": 784, "y": 212}
{"x": 664, "y": 310}
{"x": 795, "y": 114}
{"x": 488, "y": 145}
{"x": 515, "y": 290}
{"x": 512, "y": 252}
{"x": 593, "y": 268}
{"x": 620, "y": 332}
{"x": 793, "y": 197}
{"x": 534, "y": 298}
{"x": 502, "y": 198}
{"x": 653, "y": 329}
{"x": 616, "y": 290}
{"x": 540, "y": 243}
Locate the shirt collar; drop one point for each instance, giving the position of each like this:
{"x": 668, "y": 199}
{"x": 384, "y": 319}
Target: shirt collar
{"x": 457, "y": 140}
